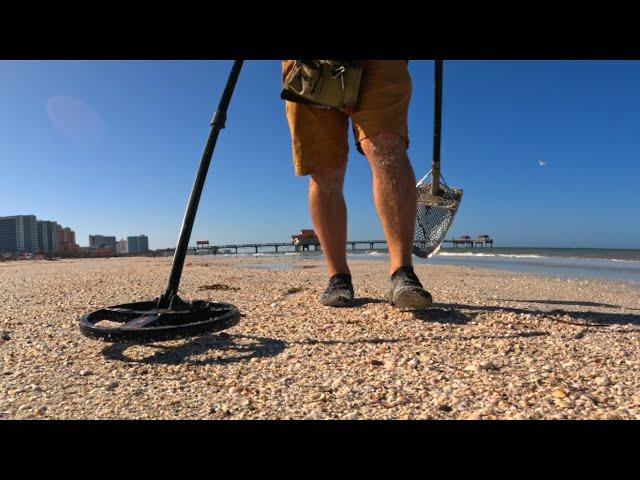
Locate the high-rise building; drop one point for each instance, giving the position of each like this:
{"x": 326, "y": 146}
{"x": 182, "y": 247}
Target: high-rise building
{"x": 18, "y": 234}
{"x": 67, "y": 245}
{"x": 122, "y": 246}
{"x": 101, "y": 241}
{"x": 138, "y": 244}
{"x": 66, "y": 235}
{"x": 47, "y": 236}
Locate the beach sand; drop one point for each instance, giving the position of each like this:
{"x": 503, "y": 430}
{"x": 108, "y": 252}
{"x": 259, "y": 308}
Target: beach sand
{"x": 495, "y": 345}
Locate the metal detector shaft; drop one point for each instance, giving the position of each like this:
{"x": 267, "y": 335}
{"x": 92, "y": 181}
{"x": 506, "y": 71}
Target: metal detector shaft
{"x": 217, "y": 123}
{"x": 437, "y": 120}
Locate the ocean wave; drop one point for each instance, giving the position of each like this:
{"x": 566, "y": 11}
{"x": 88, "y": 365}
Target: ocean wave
{"x": 552, "y": 257}
{"x": 505, "y": 255}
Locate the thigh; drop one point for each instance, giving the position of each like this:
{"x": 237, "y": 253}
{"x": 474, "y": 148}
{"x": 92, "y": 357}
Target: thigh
{"x": 319, "y": 136}
{"x": 383, "y": 105}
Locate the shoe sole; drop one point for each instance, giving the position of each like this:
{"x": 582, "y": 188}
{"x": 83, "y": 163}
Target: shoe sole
{"x": 411, "y": 298}
{"x": 341, "y": 302}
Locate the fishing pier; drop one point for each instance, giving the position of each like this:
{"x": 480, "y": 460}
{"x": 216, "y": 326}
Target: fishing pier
{"x": 306, "y": 241}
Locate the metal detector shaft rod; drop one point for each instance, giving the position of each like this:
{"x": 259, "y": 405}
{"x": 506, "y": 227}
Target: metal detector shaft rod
{"x": 217, "y": 123}
{"x": 437, "y": 121}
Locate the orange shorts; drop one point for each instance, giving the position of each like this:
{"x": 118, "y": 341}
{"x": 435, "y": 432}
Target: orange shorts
{"x": 319, "y": 135}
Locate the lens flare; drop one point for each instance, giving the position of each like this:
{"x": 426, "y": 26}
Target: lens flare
{"x": 76, "y": 121}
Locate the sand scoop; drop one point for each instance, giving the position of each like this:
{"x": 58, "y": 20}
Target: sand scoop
{"x": 437, "y": 201}
{"x": 169, "y": 317}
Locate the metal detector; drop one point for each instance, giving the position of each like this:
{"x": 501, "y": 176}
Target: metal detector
{"x": 169, "y": 317}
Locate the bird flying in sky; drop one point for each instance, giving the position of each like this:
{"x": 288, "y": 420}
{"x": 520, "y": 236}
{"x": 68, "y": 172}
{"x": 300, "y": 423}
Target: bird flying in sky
{"x": 542, "y": 163}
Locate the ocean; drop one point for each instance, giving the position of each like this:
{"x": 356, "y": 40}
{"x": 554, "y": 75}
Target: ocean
{"x": 612, "y": 264}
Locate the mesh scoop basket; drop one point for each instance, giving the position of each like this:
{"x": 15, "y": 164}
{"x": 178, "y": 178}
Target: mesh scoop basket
{"x": 434, "y": 216}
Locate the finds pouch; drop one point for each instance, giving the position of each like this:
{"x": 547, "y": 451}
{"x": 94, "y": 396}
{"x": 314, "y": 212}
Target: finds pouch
{"x": 325, "y": 83}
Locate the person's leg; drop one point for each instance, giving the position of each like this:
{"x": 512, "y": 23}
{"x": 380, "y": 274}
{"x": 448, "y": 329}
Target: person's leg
{"x": 381, "y": 133}
{"x": 329, "y": 216}
{"x": 394, "y": 194}
{"x": 320, "y": 147}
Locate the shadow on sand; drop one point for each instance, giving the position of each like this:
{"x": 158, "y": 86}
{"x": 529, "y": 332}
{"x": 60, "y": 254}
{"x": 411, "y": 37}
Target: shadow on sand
{"x": 579, "y": 318}
{"x": 566, "y": 302}
{"x": 241, "y": 348}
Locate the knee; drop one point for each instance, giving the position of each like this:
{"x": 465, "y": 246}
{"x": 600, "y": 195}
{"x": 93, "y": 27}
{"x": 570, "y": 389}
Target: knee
{"x": 386, "y": 150}
{"x": 327, "y": 181}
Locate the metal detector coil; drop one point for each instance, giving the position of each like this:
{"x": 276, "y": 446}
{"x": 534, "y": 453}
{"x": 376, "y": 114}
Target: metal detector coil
{"x": 169, "y": 317}
{"x": 143, "y": 322}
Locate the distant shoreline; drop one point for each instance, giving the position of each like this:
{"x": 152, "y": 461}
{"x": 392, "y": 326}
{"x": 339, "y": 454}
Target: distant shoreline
{"x": 538, "y": 261}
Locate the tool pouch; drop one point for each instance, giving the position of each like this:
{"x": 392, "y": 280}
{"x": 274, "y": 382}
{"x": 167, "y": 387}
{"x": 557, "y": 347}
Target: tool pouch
{"x": 324, "y": 83}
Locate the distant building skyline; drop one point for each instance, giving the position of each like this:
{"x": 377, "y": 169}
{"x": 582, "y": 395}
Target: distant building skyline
{"x": 133, "y": 244}
{"x": 27, "y": 234}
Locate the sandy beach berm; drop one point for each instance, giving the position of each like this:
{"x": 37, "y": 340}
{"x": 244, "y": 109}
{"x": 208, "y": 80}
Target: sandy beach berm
{"x": 495, "y": 345}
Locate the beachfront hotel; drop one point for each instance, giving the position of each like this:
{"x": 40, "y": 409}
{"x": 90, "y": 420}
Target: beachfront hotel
{"x": 18, "y": 234}
{"x": 102, "y": 241}
{"x": 26, "y": 234}
{"x": 47, "y": 232}
{"x": 138, "y": 244}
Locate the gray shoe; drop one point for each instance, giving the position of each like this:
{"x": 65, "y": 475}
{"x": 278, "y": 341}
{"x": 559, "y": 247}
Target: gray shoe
{"x": 339, "y": 293}
{"x": 407, "y": 291}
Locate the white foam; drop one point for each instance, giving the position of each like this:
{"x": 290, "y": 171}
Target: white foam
{"x": 504, "y": 255}
{"x": 549, "y": 257}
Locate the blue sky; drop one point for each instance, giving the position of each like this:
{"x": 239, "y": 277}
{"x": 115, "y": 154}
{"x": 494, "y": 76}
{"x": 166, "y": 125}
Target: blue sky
{"x": 112, "y": 147}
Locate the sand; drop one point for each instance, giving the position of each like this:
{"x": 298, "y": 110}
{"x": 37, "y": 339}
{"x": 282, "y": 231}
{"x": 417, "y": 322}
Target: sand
{"x": 495, "y": 345}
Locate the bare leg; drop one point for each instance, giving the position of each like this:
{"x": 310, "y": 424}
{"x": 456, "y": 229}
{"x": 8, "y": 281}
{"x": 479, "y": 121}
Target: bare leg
{"x": 329, "y": 215}
{"x": 394, "y": 192}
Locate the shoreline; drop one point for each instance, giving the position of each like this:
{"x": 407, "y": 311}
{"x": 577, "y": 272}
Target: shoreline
{"x": 286, "y": 261}
{"x": 495, "y": 344}
{"x": 561, "y": 267}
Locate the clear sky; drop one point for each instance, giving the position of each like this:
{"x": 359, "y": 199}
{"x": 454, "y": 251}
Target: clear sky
{"x": 112, "y": 147}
